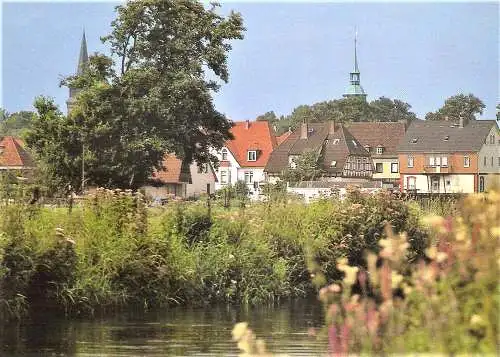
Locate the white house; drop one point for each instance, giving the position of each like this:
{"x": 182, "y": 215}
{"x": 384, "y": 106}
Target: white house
{"x": 244, "y": 157}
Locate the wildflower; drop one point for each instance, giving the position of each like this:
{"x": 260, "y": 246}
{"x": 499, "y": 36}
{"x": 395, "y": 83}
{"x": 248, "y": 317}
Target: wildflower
{"x": 239, "y": 330}
{"x": 396, "y": 279}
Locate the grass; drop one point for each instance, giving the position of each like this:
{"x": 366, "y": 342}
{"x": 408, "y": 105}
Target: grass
{"x": 114, "y": 252}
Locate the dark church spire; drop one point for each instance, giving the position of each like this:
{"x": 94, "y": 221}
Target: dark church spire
{"x": 354, "y": 89}
{"x": 83, "y": 60}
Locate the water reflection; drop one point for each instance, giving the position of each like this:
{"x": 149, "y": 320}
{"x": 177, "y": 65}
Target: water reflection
{"x": 178, "y": 331}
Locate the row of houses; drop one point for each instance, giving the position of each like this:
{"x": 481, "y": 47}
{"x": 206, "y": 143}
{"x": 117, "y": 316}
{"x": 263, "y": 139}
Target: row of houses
{"x": 421, "y": 157}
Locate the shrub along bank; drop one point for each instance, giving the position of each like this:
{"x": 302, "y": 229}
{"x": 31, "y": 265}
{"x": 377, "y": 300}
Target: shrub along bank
{"x": 115, "y": 252}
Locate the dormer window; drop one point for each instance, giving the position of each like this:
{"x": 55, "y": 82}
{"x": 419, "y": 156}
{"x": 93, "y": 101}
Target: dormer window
{"x": 414, "y": 140}
{"x": 252, "y": 155}
{"x": 380, "y": 150}
{"x": 333, "y": 164}
{"x": 224, "y": 154}
{"x": 354, "y": 143}
{"x": 446, "y": 138}
{"x": 367, "y": 148}
{"x": 335, "y": 141}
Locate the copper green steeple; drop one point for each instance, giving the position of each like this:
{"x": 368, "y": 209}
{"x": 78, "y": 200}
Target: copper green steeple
{"x": 354, "y": 89}
{"x": 83, "y": 60}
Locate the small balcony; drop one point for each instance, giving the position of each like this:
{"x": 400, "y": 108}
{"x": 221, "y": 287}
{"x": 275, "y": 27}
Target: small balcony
{"x": 438, "y": 169}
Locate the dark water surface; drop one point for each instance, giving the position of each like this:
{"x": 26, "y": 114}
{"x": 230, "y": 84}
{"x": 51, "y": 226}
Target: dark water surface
{"x": 177, "y": 331}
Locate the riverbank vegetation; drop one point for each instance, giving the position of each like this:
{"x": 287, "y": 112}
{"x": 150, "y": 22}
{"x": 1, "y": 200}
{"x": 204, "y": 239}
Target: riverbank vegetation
{"x": 445, "y": 304}
{"x": 114, "y": 252}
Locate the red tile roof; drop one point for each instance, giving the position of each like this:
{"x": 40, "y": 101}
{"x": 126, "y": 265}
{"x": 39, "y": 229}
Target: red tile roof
{"x": 283, "y": 137}
{"x": 255, "y": 135}
{"x": 13, "y": 153}
{"x": 172, "y": 172}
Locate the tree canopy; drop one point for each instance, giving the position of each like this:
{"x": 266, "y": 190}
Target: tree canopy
{"x": 460, "y": 105}
{"x": 350, "y": 109}
{"x": 156, "y": 99}
{"x": 15, "y": 124}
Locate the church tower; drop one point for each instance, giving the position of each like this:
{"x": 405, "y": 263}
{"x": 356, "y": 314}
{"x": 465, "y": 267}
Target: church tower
{"x": 354, "y": 89}
{"x": 83, "y": 60}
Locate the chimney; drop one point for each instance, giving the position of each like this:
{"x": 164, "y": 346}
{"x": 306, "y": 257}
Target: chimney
{"x": 247, "y": 124}
{"x": 462, "y": 121}
{"x": 331, "y": 127}
{"x": 303, "y": 130}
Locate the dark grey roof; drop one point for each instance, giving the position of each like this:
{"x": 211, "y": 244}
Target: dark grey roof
{"x": 385, "y": 134}
{"x": 443, "y": 136}
{"x": 333, "y": 147}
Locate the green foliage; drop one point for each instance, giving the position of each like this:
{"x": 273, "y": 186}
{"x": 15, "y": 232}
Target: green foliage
{"x": 113, "y": 251}
{"x": 447, "y": 303}
{"x": 345, "y": 110}
{"x": 306, "y": 168}
{"x": 15, "y": 124}
{"x": 458, "y": 106}
{"x": 158, "y": 100}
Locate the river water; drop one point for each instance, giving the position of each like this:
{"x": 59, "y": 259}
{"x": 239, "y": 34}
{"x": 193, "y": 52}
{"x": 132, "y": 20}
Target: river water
{"x": 177, "y": 331}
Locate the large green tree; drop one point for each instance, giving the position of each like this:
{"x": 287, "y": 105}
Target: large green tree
{"x": 345, "y": 110}
{"x": 16, "y": 124}
{"x": 156, "y": 99}
{"x": 457, "y": 106}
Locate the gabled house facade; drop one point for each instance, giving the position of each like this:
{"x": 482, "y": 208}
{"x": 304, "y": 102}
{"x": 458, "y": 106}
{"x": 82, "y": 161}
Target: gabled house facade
{"x": 381, "y": 139}
{"x": 340, "y": 154}
{"x": 244, "y": 157}
{"x": 181, "y": 180}
{"x": 14, "y": 156}
{"x": 446, "y": 157}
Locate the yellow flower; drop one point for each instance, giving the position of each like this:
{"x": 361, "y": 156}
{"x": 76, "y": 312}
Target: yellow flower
{"x": 239, "y": 330}
{"x": 396, "y": 279}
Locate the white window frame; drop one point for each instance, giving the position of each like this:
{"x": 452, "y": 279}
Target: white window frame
{"x": 438, "y": 160}
{"x": 254, "y": 154}
{"x": 410, "y": 161}
{"x": 248, "y": 177}
{"x": 224, "y": 155}
{"x": 432, "y": 162}
{"x": 394, "y": 164}
{"x": 466, "y": 161}
{"x": 224, "y": 177}
{"x": 380, "y": 150}
{"x": 444, "y": 161}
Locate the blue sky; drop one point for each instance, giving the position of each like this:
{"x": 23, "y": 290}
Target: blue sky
{"x": 292, "y": 54}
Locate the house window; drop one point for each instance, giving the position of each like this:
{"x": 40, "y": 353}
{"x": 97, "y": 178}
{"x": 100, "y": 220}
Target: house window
{"x": 438, "y": 161}
{"x": 358, "y": 164}
{"x": 492, "y": 164}
{"x": 481, "y": 184}
{"x": 334, "y": 163}
{"x": 492, "y": 139}
{"x": 484, "y": 161}
{"x": 367, "y": 148}
{"x": 252, "y": 155}
{"x": 435, "y": 184}
{"x": 223, "y": 177}
{"x": 380, "y": 150}
{"x": 466, "y": 161}
{"x": 379, "y": 167}
{"x": 335, "y": 141}
{"x": 224, "y": 154}
{"x": 394, "y": 168}
{"x": 412, "y": 183}
{"x": 410, "y": 161}
{"x": 444, "y": 161}
{"x": 248, "y": 176}
{"x": 431, "y": 161}
{"x": 368, "y": 167}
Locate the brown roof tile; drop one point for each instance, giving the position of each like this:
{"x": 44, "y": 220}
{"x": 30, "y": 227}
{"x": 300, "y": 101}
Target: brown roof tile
{"x": 385, "y": 134}
{"x": 13, "y": 153}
